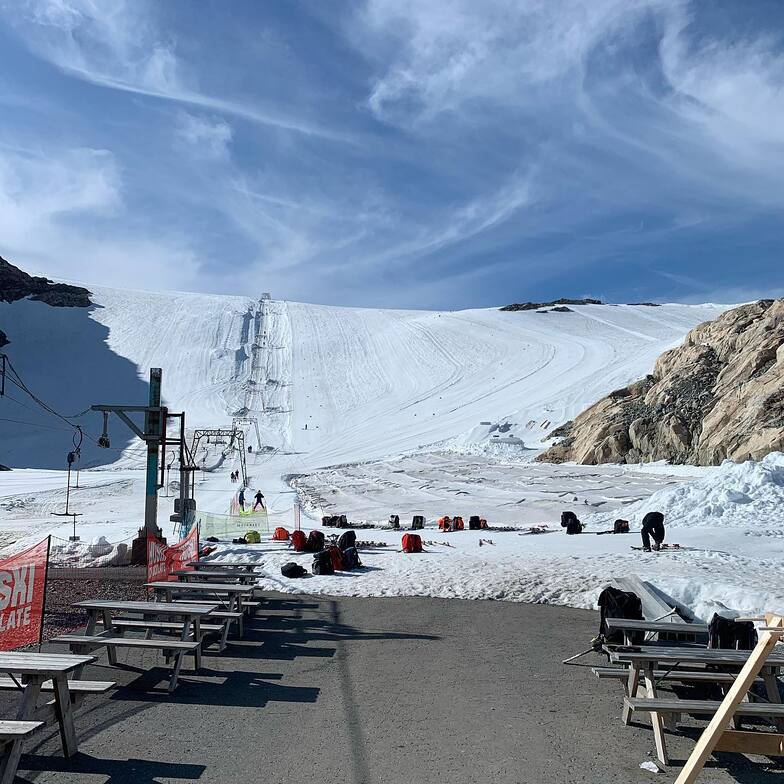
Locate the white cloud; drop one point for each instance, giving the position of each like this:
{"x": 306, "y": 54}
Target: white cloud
{"x": 207, "y": 138}
{"x": 116, "y": 44}
{"x": 62, "y": 214}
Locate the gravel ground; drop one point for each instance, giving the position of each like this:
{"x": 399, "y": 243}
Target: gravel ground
{"x": 66, "y": 586}
{"x": 372, "y": 691}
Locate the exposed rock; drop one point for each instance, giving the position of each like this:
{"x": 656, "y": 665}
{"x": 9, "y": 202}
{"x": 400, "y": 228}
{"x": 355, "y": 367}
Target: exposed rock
{"x": 719, "y": 395}
{"x": 16, "y": 284}
{"x": 561, "y": 309}
{"x": 538, "y": 305}
{"x": 4, "y": 341}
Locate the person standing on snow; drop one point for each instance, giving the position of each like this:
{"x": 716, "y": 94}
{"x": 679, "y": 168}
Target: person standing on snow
{"x": 652, "y": 527}
{"x": 259, "y": 500}
{"x": 241, "y": 499}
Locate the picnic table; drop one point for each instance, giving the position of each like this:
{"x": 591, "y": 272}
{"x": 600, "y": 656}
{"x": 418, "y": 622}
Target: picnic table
{"x": 190, "y": 627}
{"x": 216, "y": 576}
{"x": 233, "y": 593}
{"x": 35, "y": 670}
{"x": 642, "y": 661}
{"x": 629, "y": 626}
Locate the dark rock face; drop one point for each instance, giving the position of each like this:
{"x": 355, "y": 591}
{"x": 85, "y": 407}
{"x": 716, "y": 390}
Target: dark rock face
{"x": 539, "y": 305}
{"x": 4, "y": 341}
{"x": 16, "y": 284}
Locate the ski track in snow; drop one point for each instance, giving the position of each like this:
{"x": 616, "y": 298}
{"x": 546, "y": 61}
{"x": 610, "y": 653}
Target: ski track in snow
{"x": 392, "y": 401}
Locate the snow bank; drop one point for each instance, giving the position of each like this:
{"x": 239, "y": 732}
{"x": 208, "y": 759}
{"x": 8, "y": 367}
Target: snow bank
{"x": 738, "y": 495}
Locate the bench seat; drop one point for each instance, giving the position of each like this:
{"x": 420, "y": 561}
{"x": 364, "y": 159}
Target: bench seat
{"x": 16, "y": 730}
{"x": 75, "y": 687}
{"x": 127, "y": 642}
{"x": 707, "y": 707}
{"x": 682, "y": 676}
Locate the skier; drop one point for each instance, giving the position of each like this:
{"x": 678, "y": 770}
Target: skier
{"x": 259, "y": 500}
{"x": 241, "y": 499}
{"x": 652, "y": 527}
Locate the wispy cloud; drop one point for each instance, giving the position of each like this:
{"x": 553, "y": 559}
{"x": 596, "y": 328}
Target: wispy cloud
{"x": 526, "y": 145}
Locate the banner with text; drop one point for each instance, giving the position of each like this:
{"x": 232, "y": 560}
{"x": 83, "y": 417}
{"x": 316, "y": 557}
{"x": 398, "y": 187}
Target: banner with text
{"x": 22, "y": 596}
{"x": 163, "y": 559}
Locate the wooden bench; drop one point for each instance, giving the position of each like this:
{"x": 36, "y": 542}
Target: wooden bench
{"x": 231, "y": 617}
{"x": 14, "y": 730}
{"x": 75, "y": 687}
{"x": 677, "y": 676}
{"x": 250, "y": 605}
{"x": 170, "y": 626}
{"x": 83, "y": 643}
{"x": 702, "y": 707}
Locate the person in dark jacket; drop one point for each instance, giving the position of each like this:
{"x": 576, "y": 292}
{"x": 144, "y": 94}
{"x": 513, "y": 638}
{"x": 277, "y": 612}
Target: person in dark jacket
{"x": 241, "y": 498}
{"x": 652, "y": 528}
{"x": 259, "y": 500}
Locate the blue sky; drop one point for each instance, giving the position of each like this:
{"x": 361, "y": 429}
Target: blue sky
{"x": 400, "y": 153}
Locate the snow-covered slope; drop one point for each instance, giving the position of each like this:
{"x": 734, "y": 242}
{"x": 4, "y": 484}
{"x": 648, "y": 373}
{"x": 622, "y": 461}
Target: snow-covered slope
{"x": 366, "y": 383}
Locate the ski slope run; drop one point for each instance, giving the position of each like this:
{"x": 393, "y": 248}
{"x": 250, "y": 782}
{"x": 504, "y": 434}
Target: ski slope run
{"x": 332, "y": 385}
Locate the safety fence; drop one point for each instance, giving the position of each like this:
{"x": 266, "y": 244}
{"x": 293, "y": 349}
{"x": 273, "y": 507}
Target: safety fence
{"x": 222, "y": 526}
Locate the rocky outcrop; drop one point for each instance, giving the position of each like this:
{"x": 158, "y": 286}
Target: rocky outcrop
{"x": 538, "y": 305}
{"x": 16, "y": 284}
{"x": 719, "y": 395}
{"x": 4, "y": 341}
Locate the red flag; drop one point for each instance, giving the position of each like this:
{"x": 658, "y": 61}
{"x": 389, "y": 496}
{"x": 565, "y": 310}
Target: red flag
{"x": 22, "y": 596}
{"x": 163, "y": 560}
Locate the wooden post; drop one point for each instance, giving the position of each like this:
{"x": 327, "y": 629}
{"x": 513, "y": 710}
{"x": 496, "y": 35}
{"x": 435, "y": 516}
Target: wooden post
{"x": 713, "y": 733}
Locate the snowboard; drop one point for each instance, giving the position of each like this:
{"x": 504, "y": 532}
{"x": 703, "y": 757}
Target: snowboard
{"x": 661, "y": 549}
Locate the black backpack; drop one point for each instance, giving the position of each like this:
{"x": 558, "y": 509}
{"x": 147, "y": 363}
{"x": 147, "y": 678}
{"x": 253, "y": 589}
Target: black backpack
{"x": 347, "y": 539}
{"x": 614, "y": 603}
{"x": 292, "y": 569}
{"x": 728, "y": 633}
{"x": 621, "y": 527}
{"x": 315, "y": 542}
{"x": 418, "y": 523}
{"x": 351, "y": 559}
{"x": 474, "y": 523}
{"x": 322, "y": 563}
{"x": 394, "y": 521}
{"x": 570, "y": 522}
{"x": 342, "y": 522}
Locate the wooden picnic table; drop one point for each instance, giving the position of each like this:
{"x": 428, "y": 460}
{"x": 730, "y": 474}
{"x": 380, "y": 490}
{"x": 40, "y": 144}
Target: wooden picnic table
{"x": 213, "y": 575}
{"x": 643, "y": 660}
{"x": 34, "y": 669}
{"x": 233, "y": 592}
{"x": 629, "y": 626}
{"x": 191, "y": 636}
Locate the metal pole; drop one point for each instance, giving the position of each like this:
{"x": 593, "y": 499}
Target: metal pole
{"x": 68, "y": 490}
{"x": 152, "y": 433}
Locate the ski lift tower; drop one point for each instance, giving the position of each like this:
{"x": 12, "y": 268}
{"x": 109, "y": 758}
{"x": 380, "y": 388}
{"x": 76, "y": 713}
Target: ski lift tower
{"x": 237, "y": 421}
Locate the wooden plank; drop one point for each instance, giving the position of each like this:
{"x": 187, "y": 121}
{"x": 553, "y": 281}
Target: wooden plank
{"x": 124, "y": 642}
{"x": 630, "y": 624}
{"x": 718, "y": 724}
{"x": 653, "y": 606}
{"x": 681, "y": 676}
{"x": 690, "y": 655}
{"x": 9, "y": 729}
{"x": 150, "y": 608}
{"x": 45, "y": 665}
{"x": 85, "y": 687}
{"x": 199, "y": 587}
{"x": 767, "y": 744}
{"x": 670, "y": 705}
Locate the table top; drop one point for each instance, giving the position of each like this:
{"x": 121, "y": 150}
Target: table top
{"x": 218, "y": 564}
{"x": 629, "y": 624}
{"x": 695, "y": 655}
{"x": 153, "y": 608}
{"x": 214, "y": 574}
{"x": 202, "y": 587}
{"x": 47, "y": 664}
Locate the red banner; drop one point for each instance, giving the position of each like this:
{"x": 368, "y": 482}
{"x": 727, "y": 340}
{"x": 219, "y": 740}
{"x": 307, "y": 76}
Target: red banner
{"x": 162, "y": 560}
{"x": 22, "y": 596}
